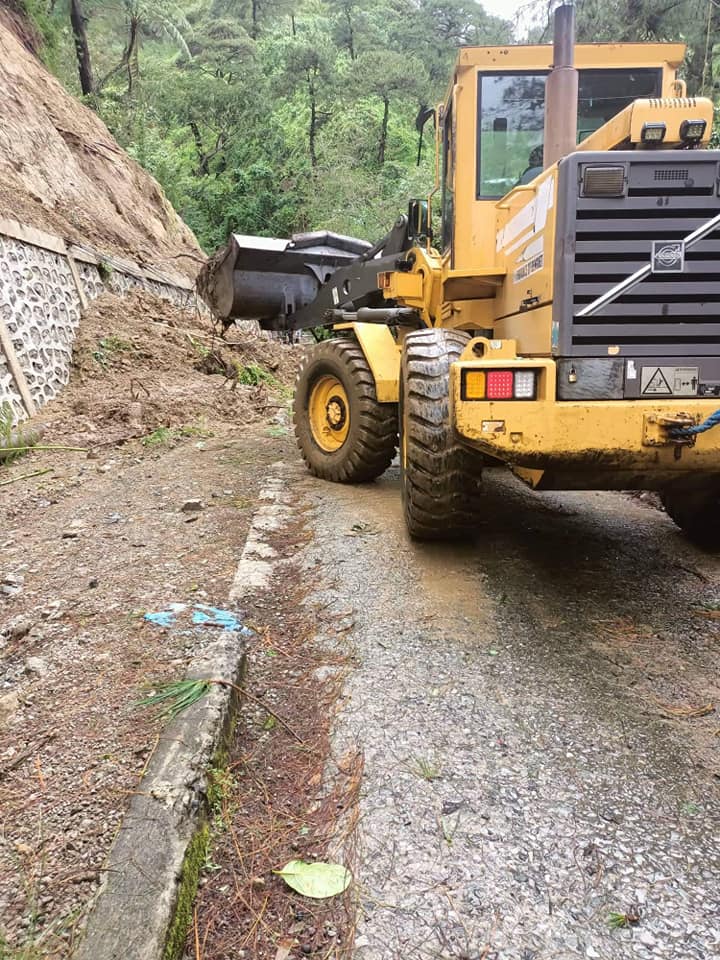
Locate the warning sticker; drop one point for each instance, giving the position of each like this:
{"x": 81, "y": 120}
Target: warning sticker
{"x": 669, "y": 381}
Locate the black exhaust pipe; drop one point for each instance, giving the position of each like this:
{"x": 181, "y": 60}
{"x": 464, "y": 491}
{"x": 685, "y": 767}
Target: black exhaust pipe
{"x": 561, "y": 90}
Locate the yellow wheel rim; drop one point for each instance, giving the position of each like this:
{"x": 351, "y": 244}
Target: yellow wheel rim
{"x": 329, "y": 413}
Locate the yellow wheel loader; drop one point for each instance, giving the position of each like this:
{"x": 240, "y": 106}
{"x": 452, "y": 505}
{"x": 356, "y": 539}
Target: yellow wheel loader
{"x": 564, "y": 320}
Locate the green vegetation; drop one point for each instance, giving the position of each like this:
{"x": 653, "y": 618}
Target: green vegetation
{"x": 108, "y": 347}
{"x": 271, "y": 117}
{"x": 195, "y": 858}
{"x": 222, "y": 790}
{"x": 7, "y": 419}
{"x": 425, "y": 769}
{"x": 158, "y": 436}
{"x": 629, "y": 918}
{"x": 170, "y": 434}
{"x": 254, "y": 374}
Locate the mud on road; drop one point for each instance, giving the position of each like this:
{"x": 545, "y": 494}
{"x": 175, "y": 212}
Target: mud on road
{"x": 538, "y": 766}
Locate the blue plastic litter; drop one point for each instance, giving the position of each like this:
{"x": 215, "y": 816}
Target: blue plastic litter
{"x": 215, "y": 617}
{"x": 202, "y": 615}
{"x": 166, "y": 617}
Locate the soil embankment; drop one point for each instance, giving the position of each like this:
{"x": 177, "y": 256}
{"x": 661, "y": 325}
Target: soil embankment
{"x": 62, "y": 171}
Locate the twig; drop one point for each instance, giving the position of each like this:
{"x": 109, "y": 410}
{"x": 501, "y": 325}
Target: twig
{"x": 488, "y": 944}
{"x": 198, "y": 955}
{"x": 25, "y": 476}
{"x": 25, "y": 755}
{"x": 25, "y": 449}
{"x": 685, "y": 713}
{"x": 260, "y": 703}
{"x": 190, "y": 256}
{"x": 41, "y": 778}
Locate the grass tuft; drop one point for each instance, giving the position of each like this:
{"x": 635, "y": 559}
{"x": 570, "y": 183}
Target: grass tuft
{"x": 618, "y": 921}
{"x": 176, "y": 696}
{"x": 425, "y": 769}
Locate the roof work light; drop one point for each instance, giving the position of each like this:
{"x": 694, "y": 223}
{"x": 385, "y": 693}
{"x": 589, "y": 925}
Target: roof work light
{"x": 692, "y": 131}
{"x": 653, "y": 132}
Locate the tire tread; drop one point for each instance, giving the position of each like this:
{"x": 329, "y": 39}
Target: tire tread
{"x": 441, "y": 477}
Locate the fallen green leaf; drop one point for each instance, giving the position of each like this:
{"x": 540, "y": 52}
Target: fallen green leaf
{"x": 316, "y": 880}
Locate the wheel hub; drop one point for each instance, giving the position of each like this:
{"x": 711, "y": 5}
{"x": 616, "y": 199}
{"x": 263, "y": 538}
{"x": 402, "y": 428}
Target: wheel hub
{"x": 336, "y": 413}
{"x": 329, "y": 413}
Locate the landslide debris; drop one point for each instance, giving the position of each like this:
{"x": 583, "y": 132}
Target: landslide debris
{"x": 141, "y": 364}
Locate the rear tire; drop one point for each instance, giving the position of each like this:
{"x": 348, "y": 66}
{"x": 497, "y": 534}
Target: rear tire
{"x": 440, "y": 478}
{"x": 343, "y": 432}
{"x": 697, "y": 513}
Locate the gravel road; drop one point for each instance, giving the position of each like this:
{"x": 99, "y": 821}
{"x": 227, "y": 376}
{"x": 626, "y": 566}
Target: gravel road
{"x": 522, "y": 704}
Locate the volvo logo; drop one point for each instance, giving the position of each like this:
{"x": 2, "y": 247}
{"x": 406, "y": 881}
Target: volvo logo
{"x": 668, "y": 256}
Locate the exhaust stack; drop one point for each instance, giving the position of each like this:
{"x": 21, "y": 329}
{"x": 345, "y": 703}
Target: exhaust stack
{"x": 561, "y": 90}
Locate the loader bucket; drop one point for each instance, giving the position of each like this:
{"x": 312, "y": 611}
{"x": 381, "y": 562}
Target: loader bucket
{"x": 264, "y": 279}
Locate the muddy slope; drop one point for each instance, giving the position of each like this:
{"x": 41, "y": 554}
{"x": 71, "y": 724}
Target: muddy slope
{"x": 62, "y": 171}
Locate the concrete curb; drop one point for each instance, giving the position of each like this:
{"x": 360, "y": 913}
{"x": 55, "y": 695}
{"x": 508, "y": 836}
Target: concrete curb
{"x": 143, "y": 908}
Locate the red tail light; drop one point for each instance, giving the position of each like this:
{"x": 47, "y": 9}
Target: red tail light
{"x": 499, "y": 385}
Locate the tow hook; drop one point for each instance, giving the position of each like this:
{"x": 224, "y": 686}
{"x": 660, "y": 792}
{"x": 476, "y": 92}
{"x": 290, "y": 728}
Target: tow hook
{"x": 657, "y": 431}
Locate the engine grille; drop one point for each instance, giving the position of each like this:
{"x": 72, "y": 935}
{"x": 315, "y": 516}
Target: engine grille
{"x": 681, "y": 173}
{"x": 607, "y": 239}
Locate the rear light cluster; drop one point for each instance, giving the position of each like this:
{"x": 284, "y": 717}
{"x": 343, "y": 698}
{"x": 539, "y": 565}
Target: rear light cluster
{"x": 499, "y": 384}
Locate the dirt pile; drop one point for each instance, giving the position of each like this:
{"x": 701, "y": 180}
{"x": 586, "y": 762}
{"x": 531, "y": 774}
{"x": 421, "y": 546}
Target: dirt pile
{"x": 143, "y": 366}
{"x": 62, "y": 171}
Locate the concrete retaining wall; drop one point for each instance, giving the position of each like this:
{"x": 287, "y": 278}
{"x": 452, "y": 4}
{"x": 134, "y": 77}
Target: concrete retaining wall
{"x": 44, "y": 285}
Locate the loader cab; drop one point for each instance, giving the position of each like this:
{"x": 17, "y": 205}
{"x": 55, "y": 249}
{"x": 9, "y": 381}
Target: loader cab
{"x": 493, "y": 125}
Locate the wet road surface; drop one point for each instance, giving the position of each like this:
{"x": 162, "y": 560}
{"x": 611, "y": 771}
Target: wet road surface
{"x": 522, "y": 705}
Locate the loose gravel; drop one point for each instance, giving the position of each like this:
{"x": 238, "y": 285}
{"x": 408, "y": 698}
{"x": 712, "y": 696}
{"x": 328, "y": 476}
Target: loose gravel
{"x": 527, "y": 784}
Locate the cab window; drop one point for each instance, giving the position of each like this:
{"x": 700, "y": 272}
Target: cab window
{"x": 511, "y": 119}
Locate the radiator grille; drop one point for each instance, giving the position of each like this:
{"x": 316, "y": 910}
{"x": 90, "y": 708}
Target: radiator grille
{"x": 674, "y": 314}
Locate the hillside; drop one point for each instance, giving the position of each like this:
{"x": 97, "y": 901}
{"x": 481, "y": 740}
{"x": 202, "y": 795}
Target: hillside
{"x": 62, "y": 171}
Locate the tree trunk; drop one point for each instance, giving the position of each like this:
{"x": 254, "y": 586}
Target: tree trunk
{"x": 384, "y": 131}
{"x": 255, "y": 11}
{"x": 82, "y": 50}
{"x": 203, "y": 167}
{"x": 313, "y": 128}
{"x": 350, "y": 35}
{"x": 131, "y": 55}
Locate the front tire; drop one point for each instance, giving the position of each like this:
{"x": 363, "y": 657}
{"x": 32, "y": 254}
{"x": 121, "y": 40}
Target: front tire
{"x": 440, "y": 478}
{"x": 344, "y": 433}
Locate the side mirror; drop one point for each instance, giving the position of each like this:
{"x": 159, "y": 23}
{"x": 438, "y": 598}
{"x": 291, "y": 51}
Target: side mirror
{"x": 418, "y": 222}
{"x": 424, "y": 114}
